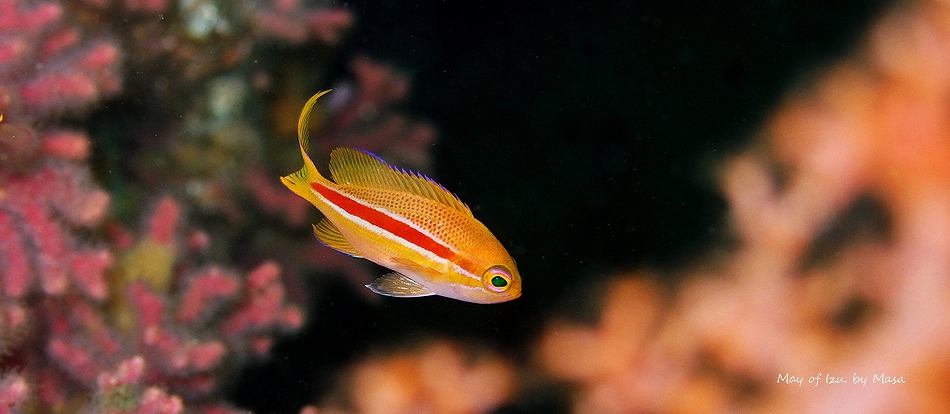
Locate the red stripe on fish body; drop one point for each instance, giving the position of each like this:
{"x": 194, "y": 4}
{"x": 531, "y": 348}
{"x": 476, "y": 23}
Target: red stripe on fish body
{"x": 383, "y": 221}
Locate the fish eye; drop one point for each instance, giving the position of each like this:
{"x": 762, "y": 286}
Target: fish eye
{"x": 499, "y": 281}
{"x": 497, "y": 278}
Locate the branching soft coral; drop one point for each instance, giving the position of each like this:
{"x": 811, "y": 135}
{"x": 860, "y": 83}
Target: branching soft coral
{"x": 122, "y": 392}
{"x": 47, "y": 68}
{"x": 66, "y": 71}
{"x": 187, "y": 325}
{"x": 37, "y": 211}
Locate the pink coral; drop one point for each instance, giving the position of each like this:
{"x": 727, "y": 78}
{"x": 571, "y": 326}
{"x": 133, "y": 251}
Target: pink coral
{"x": 39, "y": 253}
{"x": 215, "y": 320}
{"x": 291, "y": 22}
{"x": 122, "y": 392}
{"x": 37, "y": 250}
{"x": 46, "y": 191}
{"x": 13, "y": 392}
{"x": 72, "y": 73}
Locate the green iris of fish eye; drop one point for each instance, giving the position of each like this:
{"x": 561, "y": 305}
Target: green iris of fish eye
{"x": 498, "y": 281}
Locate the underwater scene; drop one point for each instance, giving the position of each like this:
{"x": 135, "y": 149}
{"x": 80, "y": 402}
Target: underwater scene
{"x": 317, "y": 206}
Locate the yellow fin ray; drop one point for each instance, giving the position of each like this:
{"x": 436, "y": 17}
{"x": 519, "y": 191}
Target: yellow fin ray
{"x": 299, "y": 183}
{"x": 303, "y": 124}
{"x": 349, "y": 166}
{"x": 330, "y": 236}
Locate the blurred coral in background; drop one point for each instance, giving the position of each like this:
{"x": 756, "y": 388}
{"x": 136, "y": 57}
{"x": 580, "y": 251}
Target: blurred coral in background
{"x": 430, "y": 376}
{"x": 840, "y": 265}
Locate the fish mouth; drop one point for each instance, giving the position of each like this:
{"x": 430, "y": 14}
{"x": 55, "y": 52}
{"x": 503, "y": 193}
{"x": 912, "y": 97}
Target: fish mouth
{"x": 502, "y": 298}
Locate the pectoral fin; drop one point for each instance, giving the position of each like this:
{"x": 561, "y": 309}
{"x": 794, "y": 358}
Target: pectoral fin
{"x": 330, "y": 236}
{"x": 398, "y": 285}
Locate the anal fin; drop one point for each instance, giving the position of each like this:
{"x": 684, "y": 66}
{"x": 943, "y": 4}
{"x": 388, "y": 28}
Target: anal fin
{"x": 398, "y": 285}
{"x": 330, "y": 236}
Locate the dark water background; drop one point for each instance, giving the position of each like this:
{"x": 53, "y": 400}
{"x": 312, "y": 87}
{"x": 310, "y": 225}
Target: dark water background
{"x": 585, "y": 136}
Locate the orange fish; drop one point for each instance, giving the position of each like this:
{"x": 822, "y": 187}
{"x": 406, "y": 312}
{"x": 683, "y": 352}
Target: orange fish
{"x": 405, "y": 222}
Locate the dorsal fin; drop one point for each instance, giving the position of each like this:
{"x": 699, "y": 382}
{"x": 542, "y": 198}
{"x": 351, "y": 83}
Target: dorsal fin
{"x": 350, "y": 166}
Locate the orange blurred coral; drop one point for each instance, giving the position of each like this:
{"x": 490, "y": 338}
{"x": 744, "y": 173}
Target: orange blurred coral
{"x": 815, "y": 287}
{"x": 438, "y": 376}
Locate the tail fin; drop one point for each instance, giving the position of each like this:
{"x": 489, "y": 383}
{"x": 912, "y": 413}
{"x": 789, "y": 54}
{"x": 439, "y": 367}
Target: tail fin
{"x": 299, "y": 182}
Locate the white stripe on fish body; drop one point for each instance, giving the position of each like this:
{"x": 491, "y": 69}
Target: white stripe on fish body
{"x": 445, "y": 263}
